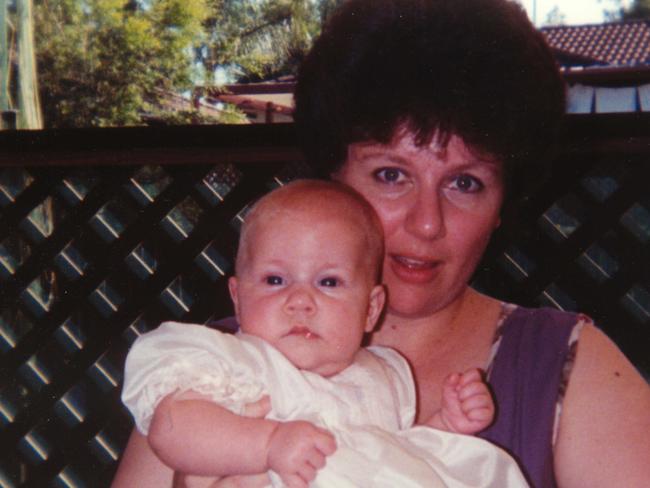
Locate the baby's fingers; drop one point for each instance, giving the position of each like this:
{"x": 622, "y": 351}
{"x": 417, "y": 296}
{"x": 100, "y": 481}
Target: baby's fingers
{"x": 325, "y": 443}
{"x": 476, "y": 405}
{"x": 317, "y": 459}
{"x": 470, "y": 376}
{"x": 294, "y": 481}
{"x": 479, "y": 414}
{"x": 475, "y": 388}
{"x": 452, "y": 380}
{"x": 307, "y": 473}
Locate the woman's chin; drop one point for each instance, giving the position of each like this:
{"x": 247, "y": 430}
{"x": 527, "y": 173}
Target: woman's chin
{"x": 411, "y": 309}
{"x": 414, "y": 302}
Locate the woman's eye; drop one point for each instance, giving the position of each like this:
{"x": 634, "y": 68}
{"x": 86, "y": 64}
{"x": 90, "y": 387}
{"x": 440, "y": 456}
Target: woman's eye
{"x": 329, "y": 282}
{"x": 467, "y": 183}
{"x": 389, "y": 175}
{"x": 273, "y": 280}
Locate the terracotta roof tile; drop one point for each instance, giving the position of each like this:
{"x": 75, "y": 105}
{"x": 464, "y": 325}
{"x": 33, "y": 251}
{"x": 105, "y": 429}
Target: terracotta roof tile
{"x": 617, "y": 43}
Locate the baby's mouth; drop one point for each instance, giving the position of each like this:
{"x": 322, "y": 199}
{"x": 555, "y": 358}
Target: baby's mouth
{"x": 302, "y": 331}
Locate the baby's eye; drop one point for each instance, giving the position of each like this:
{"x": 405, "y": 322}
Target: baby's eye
{"x": 467, "y": 183}
{"x": 389, "y": 175}
{"x": 329, "y": 282}
{"x": 274, "y": 280}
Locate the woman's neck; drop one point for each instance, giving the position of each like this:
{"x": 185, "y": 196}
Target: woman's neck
{"x": 451, "y": 340}
{"x": 444, "y": 332}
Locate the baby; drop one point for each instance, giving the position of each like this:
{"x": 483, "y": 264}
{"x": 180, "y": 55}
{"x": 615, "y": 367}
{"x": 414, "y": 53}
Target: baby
{"x": 306, "y": 291}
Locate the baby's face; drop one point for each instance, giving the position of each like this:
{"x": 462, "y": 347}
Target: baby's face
{"x": 306, "y": 287}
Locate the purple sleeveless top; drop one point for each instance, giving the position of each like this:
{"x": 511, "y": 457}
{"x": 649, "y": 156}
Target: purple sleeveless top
{"x": 527, "y": 376}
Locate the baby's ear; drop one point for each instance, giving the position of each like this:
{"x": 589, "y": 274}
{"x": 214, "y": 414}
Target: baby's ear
{"x": 375, "y": 306}
{"x": 232, "y": 288}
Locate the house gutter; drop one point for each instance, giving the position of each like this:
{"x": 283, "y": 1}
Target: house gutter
{"x": 608, "y": 75}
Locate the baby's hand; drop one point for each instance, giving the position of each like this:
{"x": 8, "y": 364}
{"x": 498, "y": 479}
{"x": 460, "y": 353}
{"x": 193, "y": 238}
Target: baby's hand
{"x": 297, "y": 450}
{"x": 467, "y": 405}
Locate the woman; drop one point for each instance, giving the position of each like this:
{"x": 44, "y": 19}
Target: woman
{"x": 438, "y": 112}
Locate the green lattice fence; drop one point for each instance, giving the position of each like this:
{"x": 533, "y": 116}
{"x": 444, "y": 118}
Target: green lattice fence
{"x": 105, "y": 233}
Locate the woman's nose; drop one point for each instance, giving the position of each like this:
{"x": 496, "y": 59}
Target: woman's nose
{"x": 300, "y": 300}
{"x": 424, "y": 217}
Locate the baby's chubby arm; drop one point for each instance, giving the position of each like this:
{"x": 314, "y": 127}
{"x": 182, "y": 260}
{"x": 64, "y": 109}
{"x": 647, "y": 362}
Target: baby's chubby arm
{"x": 467, "y": 404}
{"x": 194, "y": 435}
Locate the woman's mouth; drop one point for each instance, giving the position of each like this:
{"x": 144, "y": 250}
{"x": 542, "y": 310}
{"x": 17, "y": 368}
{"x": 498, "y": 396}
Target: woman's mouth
{"x": 414, "y": 270}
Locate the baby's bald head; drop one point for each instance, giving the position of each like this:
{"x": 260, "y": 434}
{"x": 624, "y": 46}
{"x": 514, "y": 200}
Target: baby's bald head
{"x": 311, "y": 201}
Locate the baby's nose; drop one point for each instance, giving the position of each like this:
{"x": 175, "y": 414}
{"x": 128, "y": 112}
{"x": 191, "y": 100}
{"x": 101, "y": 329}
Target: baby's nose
{"x": 300, "y": 300}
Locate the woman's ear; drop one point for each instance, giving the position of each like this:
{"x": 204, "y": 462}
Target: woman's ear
{"x": 232, "y": 288}
{"x": 375, "y": 306}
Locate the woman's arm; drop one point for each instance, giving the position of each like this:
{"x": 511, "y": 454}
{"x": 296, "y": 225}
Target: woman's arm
{"x": 140, "y": 467}
{"x": 604, "y": 433}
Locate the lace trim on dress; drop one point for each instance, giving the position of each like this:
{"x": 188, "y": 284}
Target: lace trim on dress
{"x": 215, "y": 379}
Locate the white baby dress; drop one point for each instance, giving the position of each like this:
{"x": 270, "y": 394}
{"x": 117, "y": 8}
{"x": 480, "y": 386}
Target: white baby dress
{"x": 369, "y": 408}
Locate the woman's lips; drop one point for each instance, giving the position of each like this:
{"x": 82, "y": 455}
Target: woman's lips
{"x": 414, "y": 270}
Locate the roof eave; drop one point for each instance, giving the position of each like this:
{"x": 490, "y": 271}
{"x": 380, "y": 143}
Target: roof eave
{"x": 608, "y": 75}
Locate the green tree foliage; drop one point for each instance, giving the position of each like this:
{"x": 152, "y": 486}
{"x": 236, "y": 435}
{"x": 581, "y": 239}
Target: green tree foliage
{"x": 104, "y": 62}
{"x": 253, "y": 40}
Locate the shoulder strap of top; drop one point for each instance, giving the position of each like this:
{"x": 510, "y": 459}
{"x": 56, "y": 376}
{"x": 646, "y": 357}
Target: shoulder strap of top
{"x": 227, "y": 324}
{"x": 526, "y": 375}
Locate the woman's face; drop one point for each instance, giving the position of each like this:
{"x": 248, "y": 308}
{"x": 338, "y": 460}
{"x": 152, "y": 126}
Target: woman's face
{"x": 438, "y": 208}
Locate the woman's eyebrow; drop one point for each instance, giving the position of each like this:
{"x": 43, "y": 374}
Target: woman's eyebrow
{"x": 388, "y": 157}
{"x": 489, "y": 164}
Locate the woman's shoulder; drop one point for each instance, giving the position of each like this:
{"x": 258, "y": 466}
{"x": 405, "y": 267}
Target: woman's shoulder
{"x": 604, "y": 424}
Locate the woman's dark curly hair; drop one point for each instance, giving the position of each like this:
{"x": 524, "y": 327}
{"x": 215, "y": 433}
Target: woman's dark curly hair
{"x": 475, "y": 68}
